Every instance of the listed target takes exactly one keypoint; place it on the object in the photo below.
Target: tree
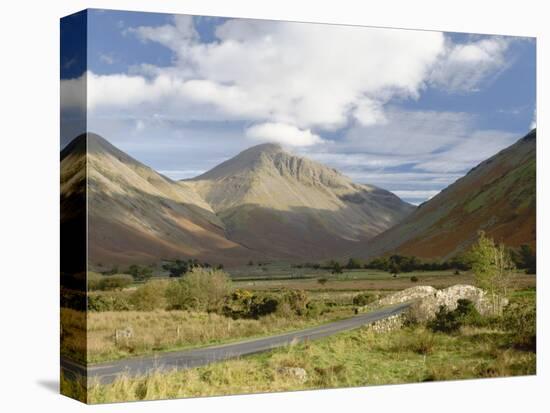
(353, 264)
(493, 267)
(178, 267)
(337, 268)
(200, 290)
(149, 296)
(528, 259)
(140, 273)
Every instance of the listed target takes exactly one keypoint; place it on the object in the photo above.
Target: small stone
(296, 372)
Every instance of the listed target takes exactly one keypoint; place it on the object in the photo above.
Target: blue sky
(410, 111)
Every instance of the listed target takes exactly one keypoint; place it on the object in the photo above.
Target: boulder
(297, 373)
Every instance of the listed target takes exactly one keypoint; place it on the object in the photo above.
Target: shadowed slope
(136, 215)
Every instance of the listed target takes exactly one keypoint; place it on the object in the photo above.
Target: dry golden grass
(161, 330)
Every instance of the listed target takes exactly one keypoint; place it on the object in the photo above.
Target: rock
(123, 333)
(295, 372)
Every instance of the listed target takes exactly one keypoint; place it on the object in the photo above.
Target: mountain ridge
(286, 207)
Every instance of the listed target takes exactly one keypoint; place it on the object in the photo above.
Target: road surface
(185, 359)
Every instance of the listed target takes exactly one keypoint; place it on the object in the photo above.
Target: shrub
(354, 264)
(95, 281)
(445, 321)
(521, 320)
(363, 299)
(297, 301)
(450, 321)
(467, 313)
(179, 268)
(107, 302)
(140, 273)
(414, 279)
(200, 290)
(247, 304)
(116, 282)
(149, 296)
(322, 281)
(315, 309)
(108, 282)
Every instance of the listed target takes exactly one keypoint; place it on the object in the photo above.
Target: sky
(407, 110)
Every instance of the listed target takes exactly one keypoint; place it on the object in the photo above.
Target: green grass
(357, 358)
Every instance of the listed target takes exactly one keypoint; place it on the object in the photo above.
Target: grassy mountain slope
(497, 196)
(294, 208)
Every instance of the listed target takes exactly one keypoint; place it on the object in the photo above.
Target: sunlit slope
(292, 207)
(136, 215)
(498, 196)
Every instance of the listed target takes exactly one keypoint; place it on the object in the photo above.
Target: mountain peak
(268, 147)
(245, 161)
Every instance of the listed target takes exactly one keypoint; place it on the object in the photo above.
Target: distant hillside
(497, 196)
(294, 208)
(262, 204)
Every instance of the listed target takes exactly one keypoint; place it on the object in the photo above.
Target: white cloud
(306, 75)
(296, 83)
(469, 152)
(463, 67)
(107, 58)
(309, 76)
(282, 133)
(410, 133)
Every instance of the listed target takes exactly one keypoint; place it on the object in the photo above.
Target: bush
(140, 273)
(363, 299)
(117, 282)
(149, 296)
(445, 321)
(107, 302)
(450, 321)
(95, 281)
(521, 320)
(315, 309)
(322, 281)
(179, 268)
(200, 290)
(414, 279)
(297, 301)
(108, 282)
(248, 304)
(354, 264)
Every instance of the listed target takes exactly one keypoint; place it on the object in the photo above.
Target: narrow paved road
(107, 372)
